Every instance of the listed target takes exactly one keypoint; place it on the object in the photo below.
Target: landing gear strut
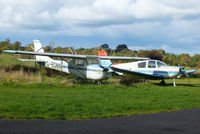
(174, 82)
(162, 83)
(96, 82)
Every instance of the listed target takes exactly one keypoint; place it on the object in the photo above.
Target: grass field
(33, 95)
(30, 95)
(51, 101)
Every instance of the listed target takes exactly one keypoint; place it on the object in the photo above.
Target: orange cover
(102, 53)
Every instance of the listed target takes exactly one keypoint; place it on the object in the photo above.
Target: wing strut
(74, 67)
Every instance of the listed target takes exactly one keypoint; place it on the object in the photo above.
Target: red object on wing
(102, 53)
(116, 63)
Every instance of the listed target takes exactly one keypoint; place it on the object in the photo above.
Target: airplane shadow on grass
(178, 85)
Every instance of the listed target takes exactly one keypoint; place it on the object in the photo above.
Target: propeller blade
(187, 75)
(183, 72)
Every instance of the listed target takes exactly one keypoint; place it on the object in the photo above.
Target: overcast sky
(173, 25)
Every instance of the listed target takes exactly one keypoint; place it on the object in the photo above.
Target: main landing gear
(96, 82)
(163, 83)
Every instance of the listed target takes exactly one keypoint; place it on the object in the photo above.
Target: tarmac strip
(176, 122)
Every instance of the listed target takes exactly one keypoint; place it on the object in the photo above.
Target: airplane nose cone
(182, 69)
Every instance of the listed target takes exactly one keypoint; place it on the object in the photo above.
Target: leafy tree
(152, 54)
(29, 47)
(58, 50)
(198, 64)
(48, 49)
(184, 59)
(16, 45)
(121, 47)
(194, 60)
(155, 54)
(142, 53)
(105, 46)
(170, 59)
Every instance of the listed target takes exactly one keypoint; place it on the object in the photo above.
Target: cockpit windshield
(159, 64)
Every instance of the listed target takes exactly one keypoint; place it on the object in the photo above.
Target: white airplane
(151, 69)
(84, 66)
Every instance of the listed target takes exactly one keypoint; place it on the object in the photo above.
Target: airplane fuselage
(91, 71)
(151, 68)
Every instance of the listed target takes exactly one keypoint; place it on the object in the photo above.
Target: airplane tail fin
(104, 63)
(38, 48)
(102, 53)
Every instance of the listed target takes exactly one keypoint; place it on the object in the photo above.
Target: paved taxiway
(177, 122)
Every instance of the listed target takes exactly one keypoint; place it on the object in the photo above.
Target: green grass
(51, 101)
(7, 60)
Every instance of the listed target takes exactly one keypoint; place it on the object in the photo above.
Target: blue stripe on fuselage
(158, 72)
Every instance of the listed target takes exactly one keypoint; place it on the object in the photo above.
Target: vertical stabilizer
(104, 63)
(38, 48)
(102, 53)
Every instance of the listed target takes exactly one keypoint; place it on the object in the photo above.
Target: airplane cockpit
(151, 64)
(78, 62)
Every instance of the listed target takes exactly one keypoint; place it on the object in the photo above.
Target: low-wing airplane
(151, 69)
(84, 66)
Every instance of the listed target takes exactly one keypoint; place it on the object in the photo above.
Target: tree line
(121, 50)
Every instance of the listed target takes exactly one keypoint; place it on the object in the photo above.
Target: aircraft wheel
(162, 83)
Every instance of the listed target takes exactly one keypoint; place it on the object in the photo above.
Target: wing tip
(190, 71)
(10, 51)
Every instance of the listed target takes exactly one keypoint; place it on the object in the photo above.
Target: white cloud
(106, 12)
(161, 21)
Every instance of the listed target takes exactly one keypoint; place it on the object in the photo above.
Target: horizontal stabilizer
(10, 51)
(31, 60)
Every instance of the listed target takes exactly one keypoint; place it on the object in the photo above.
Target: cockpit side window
(142, 65)
(92, 61)
(159, 64)
(152, 64)
(79, 62)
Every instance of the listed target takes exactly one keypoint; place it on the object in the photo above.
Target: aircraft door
(151, 67)
(94, 71)
(78, 67)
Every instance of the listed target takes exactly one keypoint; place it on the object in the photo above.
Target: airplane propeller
(106, 69)
(183, 72)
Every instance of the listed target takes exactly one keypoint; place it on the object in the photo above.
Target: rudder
(38, 48)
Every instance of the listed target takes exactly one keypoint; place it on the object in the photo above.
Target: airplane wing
(190, 71)
(74, 56)
(137, 75)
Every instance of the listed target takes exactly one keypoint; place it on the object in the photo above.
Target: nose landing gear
(174, 82)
